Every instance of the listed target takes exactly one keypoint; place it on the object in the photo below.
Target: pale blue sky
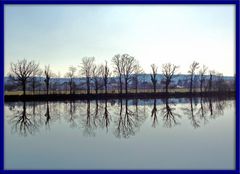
(60, 35)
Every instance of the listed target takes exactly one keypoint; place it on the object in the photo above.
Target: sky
(60, 35)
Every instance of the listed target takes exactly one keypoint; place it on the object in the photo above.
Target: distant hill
(141, 77)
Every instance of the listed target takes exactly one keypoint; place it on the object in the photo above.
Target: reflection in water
(72, 110)
(124, 116)
(88, 126)
(210, 106)
(191, 113)
(106, 117)
(22, 122)
(169, 116)
(47, 115)
(127, 121)
(154, 113)
(202, 111)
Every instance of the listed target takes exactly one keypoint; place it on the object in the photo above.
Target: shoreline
(158, 95)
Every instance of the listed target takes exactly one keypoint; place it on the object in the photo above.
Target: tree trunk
(210, 106)
(105, 88)
(136, 88)
(24, 109)
(191, 106)
(136, 85)
(120, 84)
(201, 83)
(24, 87)
(96, 89)
(154, 87)
(105, 84)
(88, 85)
(71, 87)
(210, 83)
(33, 87)
(191, 84)
(47, 87)
(166, 88)
(126, 86)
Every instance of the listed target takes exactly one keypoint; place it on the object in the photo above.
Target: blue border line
(1, 85)
(120, 171)
(237, 85)
(2, 3)
(119, 2)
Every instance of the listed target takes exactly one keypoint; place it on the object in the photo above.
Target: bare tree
(193, 67)
(86, 69)
(220, 84)
(154, 76)
(21, 72)
(202, 72)
(57, 85)
(105, 75)
(96, 73)
(48, 74)
(71, 75)
(117, 61)
(210, 81)
(137, 72)
(129, 64)
(36, 73)
(39, 81)
(168, 71)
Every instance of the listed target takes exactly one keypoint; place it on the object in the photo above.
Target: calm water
(121, 134)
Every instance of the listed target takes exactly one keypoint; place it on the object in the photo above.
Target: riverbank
(63, 97)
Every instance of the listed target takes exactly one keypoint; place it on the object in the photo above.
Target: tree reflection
(139, 113)
(154, 114)
(36, 117)
(47, 115)
(128, 115)
(202, 111)
(22, 123)
(127, 122)
(96, 113)
(214, 108)
(120, 121)
(190, 112)
(106, 116)
(72, 110)
(169, 116)
(210, 107)
(88, 126)
(217, 107)
(220, 105)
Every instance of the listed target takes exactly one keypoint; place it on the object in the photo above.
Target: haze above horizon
(60, 35)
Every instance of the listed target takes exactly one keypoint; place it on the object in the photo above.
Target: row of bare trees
(125, 68)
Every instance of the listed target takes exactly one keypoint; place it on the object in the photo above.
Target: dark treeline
(123, 79)
(122, 117)
(104, 96)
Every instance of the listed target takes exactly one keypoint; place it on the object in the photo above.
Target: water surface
(185, 133)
